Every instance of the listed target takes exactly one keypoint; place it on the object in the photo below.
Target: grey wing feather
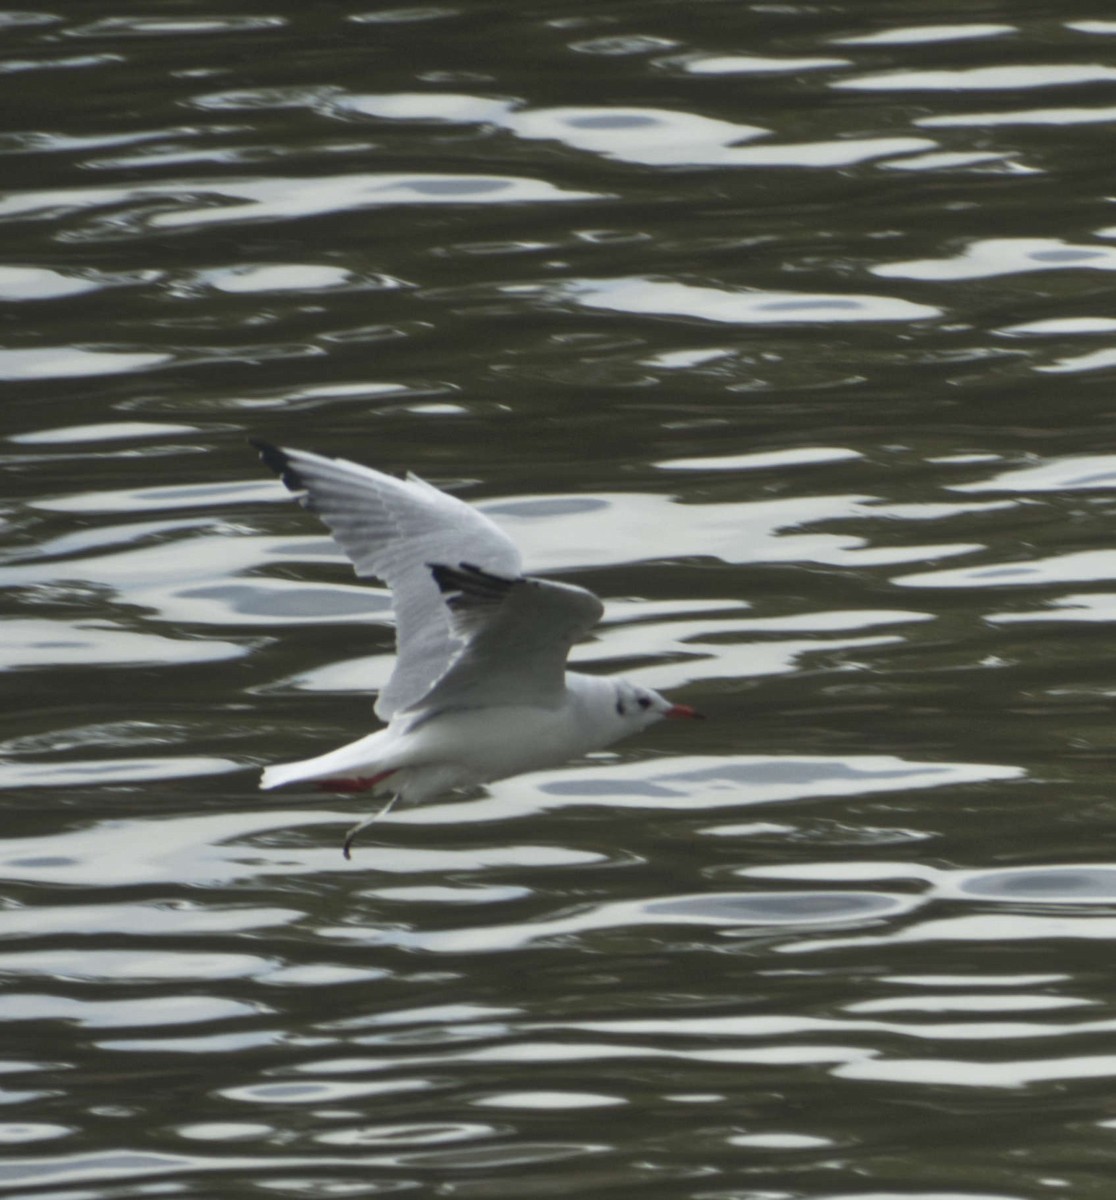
(391, 529)
(516, 634)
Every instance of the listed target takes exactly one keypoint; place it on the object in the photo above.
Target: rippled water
(788, 329)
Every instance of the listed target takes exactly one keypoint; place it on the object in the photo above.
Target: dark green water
(786, 328)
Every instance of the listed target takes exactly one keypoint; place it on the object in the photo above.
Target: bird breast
(495, 742)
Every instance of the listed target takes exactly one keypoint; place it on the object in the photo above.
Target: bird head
(642, 706)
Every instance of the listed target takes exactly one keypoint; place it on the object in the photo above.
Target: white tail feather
(363, 758)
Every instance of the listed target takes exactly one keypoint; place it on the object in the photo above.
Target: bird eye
(644, 702)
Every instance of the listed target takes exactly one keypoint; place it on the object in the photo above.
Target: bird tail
(277, 776)
(362, 760)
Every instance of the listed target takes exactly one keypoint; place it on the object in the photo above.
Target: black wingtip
(280, 462)
(468, 580)
(441, 575)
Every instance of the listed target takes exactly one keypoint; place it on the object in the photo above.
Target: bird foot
(350, 837)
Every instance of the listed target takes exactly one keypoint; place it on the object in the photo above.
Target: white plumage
(480, 689)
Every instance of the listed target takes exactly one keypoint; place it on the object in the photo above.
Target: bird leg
(351, 835)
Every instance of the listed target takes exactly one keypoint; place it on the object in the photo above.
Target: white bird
(480, 689)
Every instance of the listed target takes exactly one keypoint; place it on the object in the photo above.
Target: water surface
(788, 331)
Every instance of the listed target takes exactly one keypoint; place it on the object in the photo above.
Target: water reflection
(158, 207)
(758, 64)
(61, 362)
(1068, 115)
(1043, 885)
(740, 307)
(1086, 883)
(695, 783)
(1004, 256)
(784, 330)
(105, 431)
(42, 643)
(645, 136)
(1000, 78)
(39, 283)
(910, 35)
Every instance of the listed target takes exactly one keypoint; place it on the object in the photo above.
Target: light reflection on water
(785, 331)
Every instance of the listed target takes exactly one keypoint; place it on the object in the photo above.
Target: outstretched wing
(391, 529)
(515, 636)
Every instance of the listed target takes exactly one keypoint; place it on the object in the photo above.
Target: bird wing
(515, 635)
(391, 529)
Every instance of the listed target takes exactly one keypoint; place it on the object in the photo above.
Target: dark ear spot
(620, 709)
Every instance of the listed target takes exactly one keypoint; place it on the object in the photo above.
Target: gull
(480, 689)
